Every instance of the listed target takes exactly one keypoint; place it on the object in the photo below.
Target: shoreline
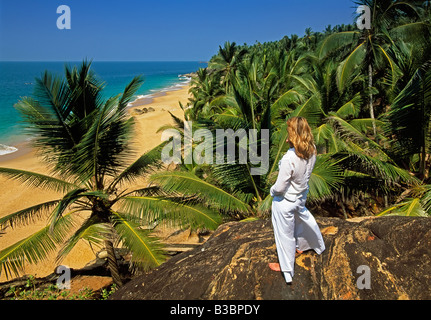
(23, 146)
(15, 196)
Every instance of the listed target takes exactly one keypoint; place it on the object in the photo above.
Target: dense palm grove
(366, 94)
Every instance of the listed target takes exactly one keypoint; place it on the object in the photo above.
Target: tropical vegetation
(85, 140)
(365, 93)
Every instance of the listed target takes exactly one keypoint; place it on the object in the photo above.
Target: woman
(294, 226)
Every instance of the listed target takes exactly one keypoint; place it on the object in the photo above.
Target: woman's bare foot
(274, 266)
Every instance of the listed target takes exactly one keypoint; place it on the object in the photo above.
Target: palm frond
(28, 215)
(101, 150)
(335, 42)
(310, 110)
(129, 91)
(144, 164)
(70, 198)
(326, 177)
(285, 100)
(37, 180)
(189, 184)
(350, 108)
(92, 230)
(382, 169)
(347, 67)
(150, 209)
(353, 133)
(410, 207)
(54, 93)
(67, 200)
(146, 249)
(34, 248)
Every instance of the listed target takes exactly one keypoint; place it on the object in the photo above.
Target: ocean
(17, 80)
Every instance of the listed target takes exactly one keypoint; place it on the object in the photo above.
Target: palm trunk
(112, 263)
(425, 129)
(370, 85)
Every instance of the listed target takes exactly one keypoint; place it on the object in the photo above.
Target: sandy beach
(14, 196)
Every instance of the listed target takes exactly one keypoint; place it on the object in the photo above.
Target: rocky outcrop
(372, 258)
(137, 111)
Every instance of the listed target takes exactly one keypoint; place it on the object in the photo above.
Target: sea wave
(6, 149)
(183, 80)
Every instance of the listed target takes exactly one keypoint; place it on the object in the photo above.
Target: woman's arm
(284, 174)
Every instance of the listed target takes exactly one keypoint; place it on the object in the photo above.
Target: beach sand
(15, 196)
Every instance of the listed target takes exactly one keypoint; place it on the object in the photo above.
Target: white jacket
(293, 176)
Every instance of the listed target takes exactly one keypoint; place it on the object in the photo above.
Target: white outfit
(294, 226)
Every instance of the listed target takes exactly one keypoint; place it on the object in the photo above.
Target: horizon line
(199, 61)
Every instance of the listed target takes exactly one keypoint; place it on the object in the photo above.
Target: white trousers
(294, 227)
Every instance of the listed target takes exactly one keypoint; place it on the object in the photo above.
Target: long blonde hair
(300, 137)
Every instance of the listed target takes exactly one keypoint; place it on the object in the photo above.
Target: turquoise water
(17, 80)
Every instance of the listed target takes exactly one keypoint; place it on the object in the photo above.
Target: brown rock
(232, 264)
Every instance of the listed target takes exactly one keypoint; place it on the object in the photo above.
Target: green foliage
(361, 92)
(31, 291)
(366, 95)
(84, 139)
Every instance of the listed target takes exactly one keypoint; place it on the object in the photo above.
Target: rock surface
(232, 264)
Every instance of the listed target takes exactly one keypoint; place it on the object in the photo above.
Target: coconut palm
(205, 88)
(341, 134)
(409, 121)
(249, 105)
(227, 61)
(85, 139)
(369, 48)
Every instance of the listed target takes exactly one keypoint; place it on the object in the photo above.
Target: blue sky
(160, 30)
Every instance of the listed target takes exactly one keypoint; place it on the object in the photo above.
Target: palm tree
(86, 140)
(370, 47)
(227, 61)
(205, 88)
(409, 121)
(250, 105)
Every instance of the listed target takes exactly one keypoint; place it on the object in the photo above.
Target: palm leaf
(101, 150)
(346, 68)
(353, 133)
(67, 200)
(28, 215)
(410, 207)
(407, 32)
(150, 209)
(310, 110)
(129, 91)
(393, 67)
(285, 100)
(54, 93)
(34, 248)
(264, 206)
(350, 108)
(335, 42)
(327, 176)
(382, 169)
(146, 250)
(92, 230)
(322, 134)
(144, 164)
(189, 184)
(37, 180)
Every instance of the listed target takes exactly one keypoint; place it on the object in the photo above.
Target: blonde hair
(300, 137)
